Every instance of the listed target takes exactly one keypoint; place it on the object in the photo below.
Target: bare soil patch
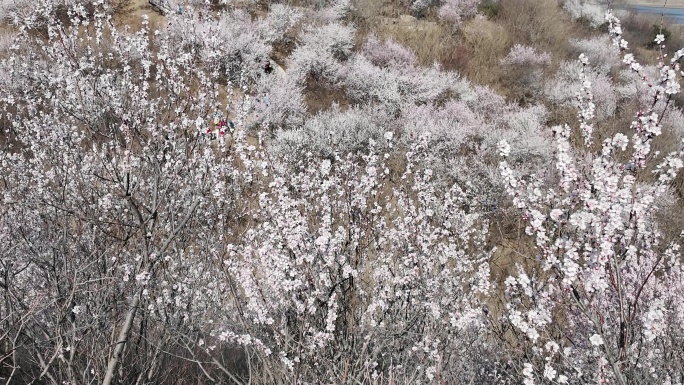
(134, 12)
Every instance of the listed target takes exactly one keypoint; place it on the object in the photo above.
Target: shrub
(321, 52)
(10, 9)
(455, 12)
(355, 245)
(601, 291)
(365, 83)
(229, 43)
(489, 8)
(521, 55)
(420, 6)
(590, 11)
(563, 89)
(523, 71)
(599, 52)
(656, 31)
(340, 306)
(333, 132)
(108, 264)
(388, 54)
(282, 102)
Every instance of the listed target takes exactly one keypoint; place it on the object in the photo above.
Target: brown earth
(133, 13)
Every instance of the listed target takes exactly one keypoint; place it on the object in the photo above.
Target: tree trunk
(124, 333)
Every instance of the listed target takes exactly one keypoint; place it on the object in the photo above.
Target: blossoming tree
(600, 300)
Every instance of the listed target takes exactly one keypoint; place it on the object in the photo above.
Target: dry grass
(487, 42)
(430, 41)
(282, 48)
(371, 9)
(319, 96)
(7, 35)
(121, 6)
(539, 23)
(392, 19)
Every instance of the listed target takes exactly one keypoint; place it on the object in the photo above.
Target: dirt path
(133, 16)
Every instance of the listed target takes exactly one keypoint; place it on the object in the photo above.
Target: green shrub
(658, 30)
(489, 8)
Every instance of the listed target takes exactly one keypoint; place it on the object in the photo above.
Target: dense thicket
(269, 193)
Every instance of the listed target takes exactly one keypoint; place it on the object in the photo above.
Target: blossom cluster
(598, 248)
